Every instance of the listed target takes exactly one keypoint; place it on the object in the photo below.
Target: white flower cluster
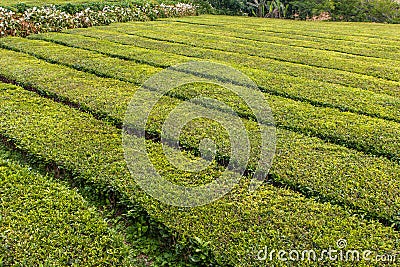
(49, 18)
(7, 21)
(177, 10)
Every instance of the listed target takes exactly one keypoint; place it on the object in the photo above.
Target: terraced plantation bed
(334, 90)
(38, 212)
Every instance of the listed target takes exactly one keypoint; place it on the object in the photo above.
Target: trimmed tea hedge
(82, 89)
(263, 46)
(43, 222)
(306, 56)
(88, 61)
(236, 226)
(248, 35)
(317, 73)
(130, 35)
(361, 134)
(139, 54)
(374, 33)
(302, 89)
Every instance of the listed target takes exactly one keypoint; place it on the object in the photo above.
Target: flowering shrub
(11, 24)
(177, 10)
(50, 18)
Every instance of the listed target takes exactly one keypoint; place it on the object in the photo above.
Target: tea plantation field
(334, 90)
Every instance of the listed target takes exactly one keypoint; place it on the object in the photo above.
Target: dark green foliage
(308, 8)
(364, 10)
(203, 6)
(20, 7)
(229, 7)
(269, 9)
(348, 10)
(384, 11)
